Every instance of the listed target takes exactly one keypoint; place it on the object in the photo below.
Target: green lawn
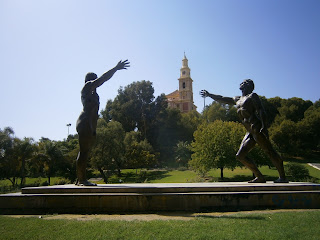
(6, 185)
(253, 225)
(176, 176)
(170, 176)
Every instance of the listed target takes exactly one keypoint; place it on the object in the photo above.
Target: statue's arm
(219, 98)
(259, 110)
(107, 75)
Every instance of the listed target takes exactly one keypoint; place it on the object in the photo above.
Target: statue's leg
(81, 166)
(246, 146)
(85, 144)
(275, 158)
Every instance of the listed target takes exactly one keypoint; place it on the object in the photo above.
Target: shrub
(61, 181)
(297, 172)
(45, 183)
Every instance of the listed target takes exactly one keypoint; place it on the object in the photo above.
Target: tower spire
(185, 61)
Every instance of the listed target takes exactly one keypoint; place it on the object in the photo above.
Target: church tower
(183, 98)
(185, 87)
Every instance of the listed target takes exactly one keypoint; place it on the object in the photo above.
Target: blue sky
(47, 47)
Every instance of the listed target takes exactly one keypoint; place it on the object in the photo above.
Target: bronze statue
(252, 115)
(87, 121)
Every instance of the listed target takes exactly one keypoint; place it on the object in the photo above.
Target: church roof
(174, 94)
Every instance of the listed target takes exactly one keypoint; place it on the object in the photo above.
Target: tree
(215, 146)
(310, 127)
(70, 149)
(183, 153)
(139, 153)
(51, 155)
(108, 152)
(132, 107)
(220, 111)
(9, 164)
(295, 130)
(190, 122)
(292, 109)
(270, 106)
(23, 151)
(168, 130)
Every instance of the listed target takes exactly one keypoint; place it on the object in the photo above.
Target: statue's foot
(85, 183)
(281, 180)
(258, 180)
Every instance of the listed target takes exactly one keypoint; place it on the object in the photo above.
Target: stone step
(191, 197)
(173, 188)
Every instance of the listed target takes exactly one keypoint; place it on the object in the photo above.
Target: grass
(313, 172)
(175, 176)
(252, 225)
(170, 176)
(6, 185)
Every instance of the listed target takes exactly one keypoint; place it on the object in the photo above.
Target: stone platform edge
(183, 199)
(173, 188)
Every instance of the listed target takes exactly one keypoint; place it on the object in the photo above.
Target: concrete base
(191, 197)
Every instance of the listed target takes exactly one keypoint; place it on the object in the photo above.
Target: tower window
(183, 85)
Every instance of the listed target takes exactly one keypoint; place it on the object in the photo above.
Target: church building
(182, 99)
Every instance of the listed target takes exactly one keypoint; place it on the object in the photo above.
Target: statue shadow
(214, 216)
(244, 178)
(233, 217)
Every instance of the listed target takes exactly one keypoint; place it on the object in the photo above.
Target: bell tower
(185, 87)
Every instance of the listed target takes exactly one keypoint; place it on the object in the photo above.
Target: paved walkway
(315, 165)
(150, 217)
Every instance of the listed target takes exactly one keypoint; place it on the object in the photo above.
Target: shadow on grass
(156, 175)
(233, 217)
(312, 158)
(244, 178)
(191, 215)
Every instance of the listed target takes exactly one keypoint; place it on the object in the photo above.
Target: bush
(45, 183)
(61, 181)
(297, 172)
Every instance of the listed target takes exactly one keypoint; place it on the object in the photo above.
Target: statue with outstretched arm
(87, 121)
(252, 116)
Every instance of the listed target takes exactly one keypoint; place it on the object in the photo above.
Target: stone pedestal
(190, 197)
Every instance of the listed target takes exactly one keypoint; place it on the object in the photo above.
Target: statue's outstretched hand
(122, 65)
(204, 93)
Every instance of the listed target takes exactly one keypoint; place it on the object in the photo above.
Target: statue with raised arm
(252, 116)
(87, 121)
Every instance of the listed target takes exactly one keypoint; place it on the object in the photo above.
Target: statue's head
(90, 76)
(247, 84)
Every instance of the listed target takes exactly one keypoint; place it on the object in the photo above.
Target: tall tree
(293, 109)
(70, 149)
(132, 106)
(294, 130)
(190, 122)
(52, 157)
(108, 152)
(139, 153)
(183, 153)
(215, 146)
(168, 130)
(23, 151)
(220, 111)
(310, 127)
(9, 164)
